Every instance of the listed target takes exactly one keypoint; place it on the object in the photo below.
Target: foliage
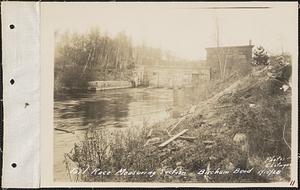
(80, 58)
(112, 151)
(260, 57)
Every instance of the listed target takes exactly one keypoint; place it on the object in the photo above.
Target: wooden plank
(64, 130)
(188, 138)
(209, 142)
(173, 138)
(182, 137)
(155, 140)
(181, 119)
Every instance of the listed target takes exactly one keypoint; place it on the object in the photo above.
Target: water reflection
(133, 107)
(118, 108)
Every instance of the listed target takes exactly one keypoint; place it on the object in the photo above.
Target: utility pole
(218, 45)
(282, 49)
(217, 31)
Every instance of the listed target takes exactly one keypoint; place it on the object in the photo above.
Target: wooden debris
(225, 95)
(187, 138)
(209, 142)
(172, 123)
(84, 128)
(87, 128)
(151, 140)
(181, 119)
(182, 137)
(64, 130)
(150, 133)
(147, 142)
(192, 109)
(226, 106)
(173, 138)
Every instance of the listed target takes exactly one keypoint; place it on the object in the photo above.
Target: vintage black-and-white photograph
(173, 92)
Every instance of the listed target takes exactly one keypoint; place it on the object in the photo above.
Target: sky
(185, 29)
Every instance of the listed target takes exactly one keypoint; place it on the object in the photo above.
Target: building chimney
(250, 42)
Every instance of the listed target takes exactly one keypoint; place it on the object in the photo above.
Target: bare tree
(222, 53)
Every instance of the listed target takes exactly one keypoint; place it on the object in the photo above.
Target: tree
(260, 57)
(222, 53)
(84, 57)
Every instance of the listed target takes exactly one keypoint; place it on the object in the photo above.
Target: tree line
(80, 58)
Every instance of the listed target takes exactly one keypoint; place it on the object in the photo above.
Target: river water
(121, 108)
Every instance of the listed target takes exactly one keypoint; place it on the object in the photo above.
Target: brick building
(232, 58)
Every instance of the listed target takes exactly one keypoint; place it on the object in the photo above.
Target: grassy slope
(253, 105)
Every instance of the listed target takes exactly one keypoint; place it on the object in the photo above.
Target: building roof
(244, 46)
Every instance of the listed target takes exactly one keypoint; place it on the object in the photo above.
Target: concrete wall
(138, 75)
(107, 85)
(175, 76)
(239, 59)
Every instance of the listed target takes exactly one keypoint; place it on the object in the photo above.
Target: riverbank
(112, 109)
(109, 85)
(236, 130)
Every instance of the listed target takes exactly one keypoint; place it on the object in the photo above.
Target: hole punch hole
(11, 26)
(26, 104)
(14, 165)
(12, 81)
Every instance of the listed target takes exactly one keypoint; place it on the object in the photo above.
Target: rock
(208, 146)
(242, 140)
(251, 105)
(230, 166)
(239, 137)
(223, 129)
(192, 175)
(284, 87)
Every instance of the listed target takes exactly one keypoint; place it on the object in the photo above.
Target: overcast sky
(185, 29)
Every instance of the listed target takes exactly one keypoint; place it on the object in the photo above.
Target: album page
(170, 94)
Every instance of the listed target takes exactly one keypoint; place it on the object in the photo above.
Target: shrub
(260, 56)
